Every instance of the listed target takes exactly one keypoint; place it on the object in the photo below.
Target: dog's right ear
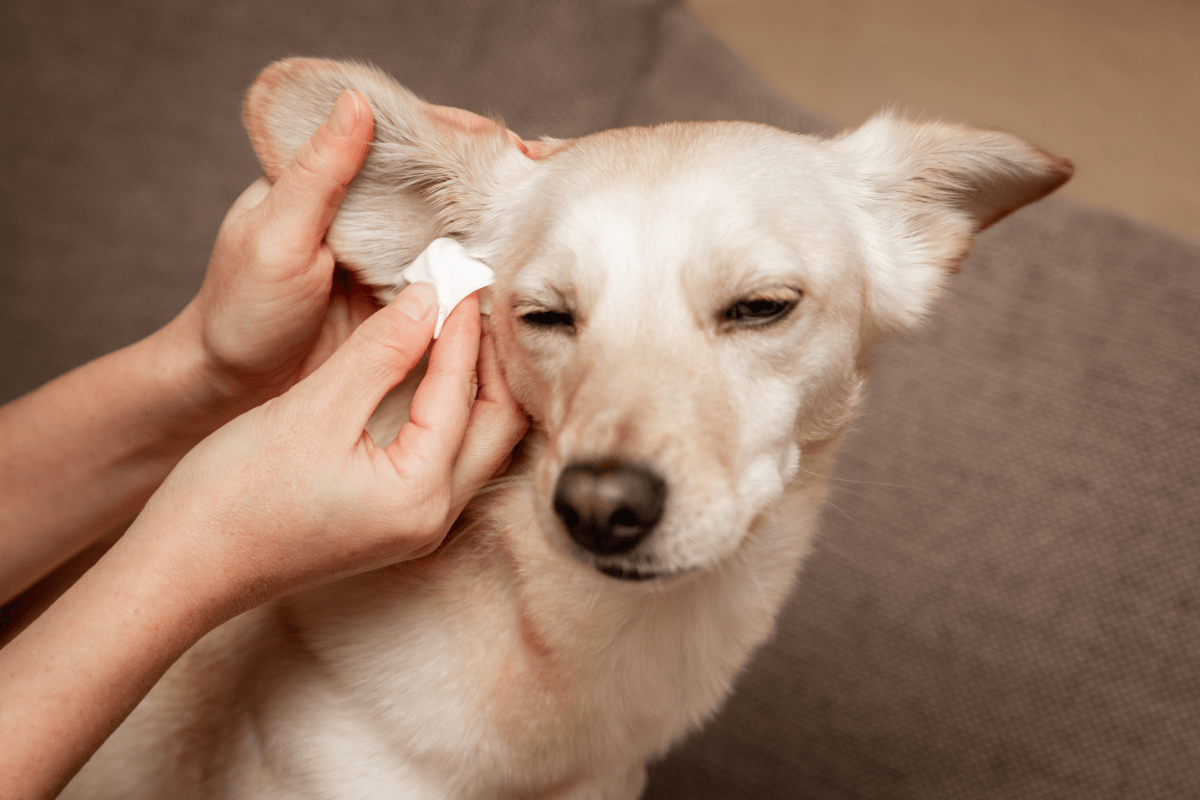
(431, 172)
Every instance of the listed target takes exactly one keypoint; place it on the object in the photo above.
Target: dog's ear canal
(432, 171)
(928, 188)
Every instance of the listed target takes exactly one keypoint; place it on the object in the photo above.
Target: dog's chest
(498, 668)
(501, 665)
(455, 661)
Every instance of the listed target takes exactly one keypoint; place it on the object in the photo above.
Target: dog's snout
(609, 508)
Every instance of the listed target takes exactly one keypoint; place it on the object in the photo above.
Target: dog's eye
(550, 319)
(758, 310)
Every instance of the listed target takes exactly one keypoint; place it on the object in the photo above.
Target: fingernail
(345, 113)
(417, 301)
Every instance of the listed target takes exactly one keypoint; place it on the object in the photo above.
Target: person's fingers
(384, 348)
(437, 419)
(306, 196)
(497, 423)
(350, 304)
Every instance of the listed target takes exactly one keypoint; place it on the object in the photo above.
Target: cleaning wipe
(454, 274)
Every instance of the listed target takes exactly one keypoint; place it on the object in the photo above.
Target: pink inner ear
(520, 144)
(537, 150)
(471, 122)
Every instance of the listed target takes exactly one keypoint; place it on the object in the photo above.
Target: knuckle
(309, 160)
(390, 341)
(263, 251)
(432, 514)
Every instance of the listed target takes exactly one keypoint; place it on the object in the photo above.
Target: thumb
(376, 357)
(306, 196)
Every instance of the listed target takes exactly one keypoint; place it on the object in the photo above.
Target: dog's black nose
(609, 508)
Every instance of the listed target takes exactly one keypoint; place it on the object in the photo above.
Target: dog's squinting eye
(550, 319)
(758, 310)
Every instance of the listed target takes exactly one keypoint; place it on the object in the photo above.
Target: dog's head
(684, 309)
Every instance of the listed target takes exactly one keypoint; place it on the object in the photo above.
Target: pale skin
(239, 427)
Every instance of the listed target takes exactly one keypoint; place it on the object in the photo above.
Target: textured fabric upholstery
(1005, 600)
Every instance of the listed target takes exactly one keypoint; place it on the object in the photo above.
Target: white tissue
(454, 274)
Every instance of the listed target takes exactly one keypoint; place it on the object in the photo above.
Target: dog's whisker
(865, 483)
(843, 512)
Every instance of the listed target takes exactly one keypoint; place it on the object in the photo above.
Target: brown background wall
(1112, 84)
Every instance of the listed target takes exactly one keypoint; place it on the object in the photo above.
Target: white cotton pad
(454, 274)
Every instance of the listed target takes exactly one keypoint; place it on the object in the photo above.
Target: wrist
(163, 556)
(81, 668)
(83, 453)
(200, 541)
(215, 395)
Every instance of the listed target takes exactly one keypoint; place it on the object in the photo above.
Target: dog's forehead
(651, 201)
(730, 164)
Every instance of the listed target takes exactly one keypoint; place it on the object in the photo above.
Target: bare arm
(291, 494)
(83, 453)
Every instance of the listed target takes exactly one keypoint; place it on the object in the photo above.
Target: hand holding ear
(294, 493)
(266, 298)
(272, 306)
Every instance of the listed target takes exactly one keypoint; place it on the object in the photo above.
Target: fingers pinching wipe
(462, 423)
(441, 406)
(376, 357)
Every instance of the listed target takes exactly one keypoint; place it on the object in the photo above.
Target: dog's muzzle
(609, 508)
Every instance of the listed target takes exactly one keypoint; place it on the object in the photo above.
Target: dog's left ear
(927, 189)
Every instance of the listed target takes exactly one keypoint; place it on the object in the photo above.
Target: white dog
(686, 311)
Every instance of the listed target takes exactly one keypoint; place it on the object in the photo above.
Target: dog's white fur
(506, 665)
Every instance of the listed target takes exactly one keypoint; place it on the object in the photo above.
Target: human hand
(265, 300)
(272, 307)
(293, 493)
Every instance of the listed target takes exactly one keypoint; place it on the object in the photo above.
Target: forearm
(76, 673)
(82, 454)
(287, 496)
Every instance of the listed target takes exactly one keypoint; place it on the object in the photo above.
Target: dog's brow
(542, 296)
(763, 267)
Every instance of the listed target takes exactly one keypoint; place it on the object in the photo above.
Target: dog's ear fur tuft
(428, 174)
(927, 189)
